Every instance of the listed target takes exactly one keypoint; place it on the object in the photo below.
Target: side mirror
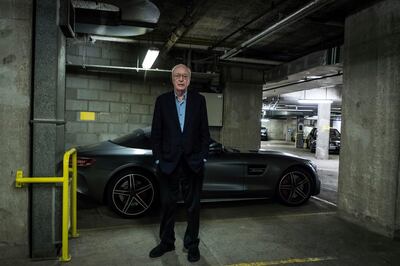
(215, 147)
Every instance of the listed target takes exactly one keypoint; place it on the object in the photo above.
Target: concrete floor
(233, 233)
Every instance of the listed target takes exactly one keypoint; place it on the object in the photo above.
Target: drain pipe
(299, 14)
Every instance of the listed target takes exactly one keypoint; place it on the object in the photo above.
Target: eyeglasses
(181, 76)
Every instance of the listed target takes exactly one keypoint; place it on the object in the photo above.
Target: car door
(257, 182)
(223, 177)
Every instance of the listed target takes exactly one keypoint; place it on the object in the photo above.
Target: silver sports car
(122, 174)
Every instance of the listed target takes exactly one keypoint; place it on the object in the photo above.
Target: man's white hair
(181, 65)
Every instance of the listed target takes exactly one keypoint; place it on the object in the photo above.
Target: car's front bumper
(317, 188)
(317, 183)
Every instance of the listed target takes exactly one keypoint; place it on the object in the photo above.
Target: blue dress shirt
(181, 109)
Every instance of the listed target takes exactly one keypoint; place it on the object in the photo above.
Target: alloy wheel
(294, 188)
(132, 194)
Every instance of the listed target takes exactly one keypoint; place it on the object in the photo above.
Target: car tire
(294, 187)
(131, 193)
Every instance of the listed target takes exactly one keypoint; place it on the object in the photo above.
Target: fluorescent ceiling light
(150, 57)
(94, 38)
(294, 110)
(315, 101)
(313, 77)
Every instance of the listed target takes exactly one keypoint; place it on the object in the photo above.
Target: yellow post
(64, 249)
(74, 232)
(20, 180)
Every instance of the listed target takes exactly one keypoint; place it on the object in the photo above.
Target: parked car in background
(264, 133)
(122, 174)
(334, 140)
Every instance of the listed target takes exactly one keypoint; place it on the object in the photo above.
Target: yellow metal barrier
(65, 180)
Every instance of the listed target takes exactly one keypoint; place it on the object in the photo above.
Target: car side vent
(256, 169)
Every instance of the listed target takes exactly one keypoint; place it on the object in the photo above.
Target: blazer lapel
(188, 111)
(172, 105)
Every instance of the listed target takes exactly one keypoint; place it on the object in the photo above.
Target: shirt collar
(184, 96)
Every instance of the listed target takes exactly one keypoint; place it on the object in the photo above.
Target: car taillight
(85, 162)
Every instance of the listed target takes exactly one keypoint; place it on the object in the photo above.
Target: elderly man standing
(180, 138)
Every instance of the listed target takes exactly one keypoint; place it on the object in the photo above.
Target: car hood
(107, 148)
(272, 152)
(101, 147)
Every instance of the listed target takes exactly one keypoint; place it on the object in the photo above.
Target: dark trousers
(183, 181)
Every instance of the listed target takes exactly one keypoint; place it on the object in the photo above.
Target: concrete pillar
(324, 115)
(288, 129)
(15, 109)
(242, 107)
(48, 128)
(241, 115)
(300, 132)
(369, 189)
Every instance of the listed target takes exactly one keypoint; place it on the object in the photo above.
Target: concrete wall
(369, 191)
(278, 128)
(15, 87)
(275, 129)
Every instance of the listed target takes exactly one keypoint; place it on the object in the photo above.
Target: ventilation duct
(116, 18)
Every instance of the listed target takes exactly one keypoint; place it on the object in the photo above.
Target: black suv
(334, 140)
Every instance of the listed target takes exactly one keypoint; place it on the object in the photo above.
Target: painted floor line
(324, 201)
(282, 262)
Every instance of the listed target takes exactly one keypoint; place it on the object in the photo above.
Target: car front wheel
(131, 193)
(294, 187)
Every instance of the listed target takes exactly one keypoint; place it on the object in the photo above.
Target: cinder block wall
(121, 104)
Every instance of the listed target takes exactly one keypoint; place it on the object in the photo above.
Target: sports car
(122, 174)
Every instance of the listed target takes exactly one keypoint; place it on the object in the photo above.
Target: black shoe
(159, 250)
(193, 254)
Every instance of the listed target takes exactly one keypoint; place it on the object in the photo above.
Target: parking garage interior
(71, 75)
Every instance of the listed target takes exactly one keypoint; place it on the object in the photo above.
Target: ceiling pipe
(297, 15)
(95, 38)
(270, 88)
(125, 69)
(254, 61)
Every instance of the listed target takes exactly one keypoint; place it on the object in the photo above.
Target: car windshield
(139, 139)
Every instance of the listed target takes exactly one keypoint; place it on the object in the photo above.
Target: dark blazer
(170, 144)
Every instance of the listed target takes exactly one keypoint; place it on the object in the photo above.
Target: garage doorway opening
(279, 134)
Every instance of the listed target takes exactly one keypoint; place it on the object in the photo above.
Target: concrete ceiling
(296, 38)
(216, 26)
(227, 24)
